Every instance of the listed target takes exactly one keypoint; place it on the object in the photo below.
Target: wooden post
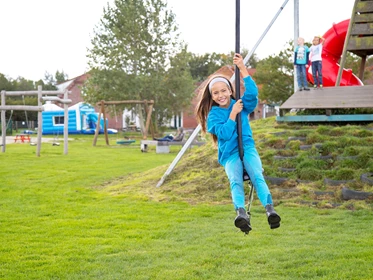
(148, 118)
(362, 67)
(39, 108)
(3, 122)
(145, 102)
(150, 111)
(344, 51)
(40, 123)
(22, 108)
(98, 123)
(105, 125)
(66, 124)
(102, 103)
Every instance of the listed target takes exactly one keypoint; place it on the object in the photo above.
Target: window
(58, 120)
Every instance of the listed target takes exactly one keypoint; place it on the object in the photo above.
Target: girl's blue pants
(253, 165)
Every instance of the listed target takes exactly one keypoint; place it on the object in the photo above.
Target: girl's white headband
(218, 79)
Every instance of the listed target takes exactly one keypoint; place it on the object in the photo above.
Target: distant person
(216, 112)
(316, 60)
(170, 138)
(301, 55)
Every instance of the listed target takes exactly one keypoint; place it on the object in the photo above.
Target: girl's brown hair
(205, 104)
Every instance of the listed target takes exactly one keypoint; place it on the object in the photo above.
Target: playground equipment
(331, 55)
(359, 37)
(82, 119)
(39, 108)
(354, 35)
(148, 108)
(125, 142)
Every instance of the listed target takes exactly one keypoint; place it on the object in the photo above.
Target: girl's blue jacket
(219, 123)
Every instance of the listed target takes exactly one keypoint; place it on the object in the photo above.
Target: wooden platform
(329, 98)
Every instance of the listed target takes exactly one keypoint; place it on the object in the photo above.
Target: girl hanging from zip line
(216, 112)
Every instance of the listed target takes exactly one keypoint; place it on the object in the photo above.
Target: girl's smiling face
(221, 94)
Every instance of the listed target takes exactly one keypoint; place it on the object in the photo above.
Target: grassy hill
(303, 164)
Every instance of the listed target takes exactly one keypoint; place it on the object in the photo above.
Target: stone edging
(351, 194)
(367, 178)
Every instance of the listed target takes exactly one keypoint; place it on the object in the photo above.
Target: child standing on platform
(316, 60)
(216, 112)
(301, 55)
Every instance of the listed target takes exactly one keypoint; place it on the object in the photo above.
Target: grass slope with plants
(304, 164)
(96, 214)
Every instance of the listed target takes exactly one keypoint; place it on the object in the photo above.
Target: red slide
(331, 54)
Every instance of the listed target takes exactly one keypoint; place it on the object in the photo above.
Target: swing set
(42, 96)
(148, 105)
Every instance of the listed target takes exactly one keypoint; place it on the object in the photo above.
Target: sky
(42, 36)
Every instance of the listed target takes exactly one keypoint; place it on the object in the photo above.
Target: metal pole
(238, 80)
(248, 56)
(66, 124)
(3, 122)
(40, 122)
(296, 36)
(251, 52)
(179, 155)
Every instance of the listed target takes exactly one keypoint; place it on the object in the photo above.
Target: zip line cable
(245, 175)
(238, 91)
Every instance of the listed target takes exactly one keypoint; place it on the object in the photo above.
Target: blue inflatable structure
(82, 120)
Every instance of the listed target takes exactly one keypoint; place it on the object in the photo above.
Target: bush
(310, 174)
(349, 163)
(337, 131)
(329, 147)
(310, 163)
(362, 133)
(348, 141)
(294, 145)
(276, 143)
(351, 151)
(322, 129)
(344, 174)
(287, 153)
(315, 137)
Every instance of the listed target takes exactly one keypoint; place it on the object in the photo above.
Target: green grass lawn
(70, 217)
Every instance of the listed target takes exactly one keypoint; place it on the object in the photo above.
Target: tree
(61, 77)
(131, 52)
(275, 74)
(22, 84)
(5, 84)
(252, 63)
(19, 84)
(203, 66)
(49, 83)
(179, 86)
